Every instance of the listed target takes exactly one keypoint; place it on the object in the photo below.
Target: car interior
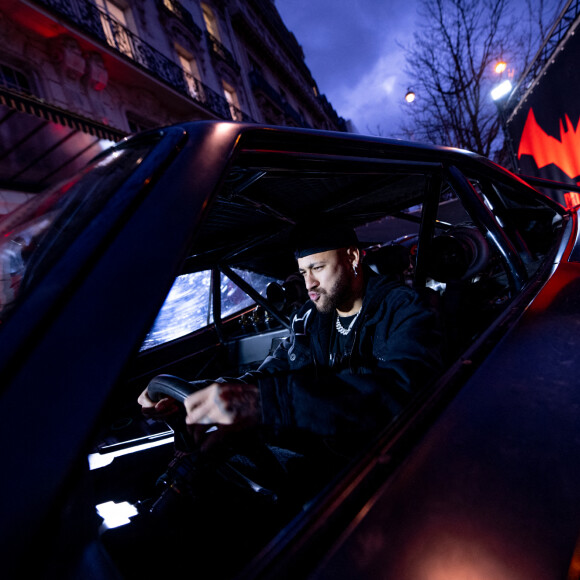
(471, 239)
(416, 222)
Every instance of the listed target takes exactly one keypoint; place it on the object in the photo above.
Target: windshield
(187, 307)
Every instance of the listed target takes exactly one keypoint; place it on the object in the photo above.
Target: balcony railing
(206, 97)
(259, 83)
(292, 113)
(90, 19)
(219, 50)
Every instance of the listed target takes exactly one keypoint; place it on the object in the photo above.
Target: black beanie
(313, 238)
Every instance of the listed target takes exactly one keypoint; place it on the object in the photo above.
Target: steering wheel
(171, 386)
(179, 389)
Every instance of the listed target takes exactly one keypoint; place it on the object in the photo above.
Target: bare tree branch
(450, 66)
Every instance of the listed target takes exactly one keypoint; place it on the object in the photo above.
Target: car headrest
(458, 255)
(389, 260)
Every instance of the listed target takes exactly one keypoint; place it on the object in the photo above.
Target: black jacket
(315, 416)
(395, 351)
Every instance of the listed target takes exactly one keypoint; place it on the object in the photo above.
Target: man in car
(358, 350)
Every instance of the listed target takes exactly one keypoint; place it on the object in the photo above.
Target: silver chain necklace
(341, 329)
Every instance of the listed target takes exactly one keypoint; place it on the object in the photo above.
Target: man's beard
(338, 295)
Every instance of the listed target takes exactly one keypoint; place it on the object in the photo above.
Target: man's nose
(310, 281)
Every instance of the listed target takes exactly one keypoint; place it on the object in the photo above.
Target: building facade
(78, 75)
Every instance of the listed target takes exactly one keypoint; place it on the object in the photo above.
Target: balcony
(87, 17)
(261, 85)
(218, 50)
(176, 10)
(292, 114)
(197, 91)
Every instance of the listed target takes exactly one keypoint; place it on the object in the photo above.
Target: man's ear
(353, 255)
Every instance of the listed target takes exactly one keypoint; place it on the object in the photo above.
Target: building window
(14, 79)
(233, 103)
(183, 15)
(114, 19)
(210, 21)
(190, 71)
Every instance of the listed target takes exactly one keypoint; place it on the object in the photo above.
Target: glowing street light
(499, 94)
(410, 96)
(501, 90)
(500, 67)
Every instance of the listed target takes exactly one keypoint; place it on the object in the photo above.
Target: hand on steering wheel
(212, 410)
(228, 407)
(224, 404)
(158, 409)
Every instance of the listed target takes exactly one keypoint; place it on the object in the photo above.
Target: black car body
(478, 478)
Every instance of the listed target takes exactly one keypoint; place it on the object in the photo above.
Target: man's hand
(228, 406)
(159, 410)
(224, 404)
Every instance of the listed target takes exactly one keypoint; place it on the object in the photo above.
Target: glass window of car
(187, 307)
(532, 226)
(33, 235)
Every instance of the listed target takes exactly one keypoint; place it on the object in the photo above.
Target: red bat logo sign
(564, 153)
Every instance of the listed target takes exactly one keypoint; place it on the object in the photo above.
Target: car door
(66, 343)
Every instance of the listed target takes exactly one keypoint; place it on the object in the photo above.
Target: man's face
(328, 277)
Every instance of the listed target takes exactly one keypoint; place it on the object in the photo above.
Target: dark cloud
(352, 48)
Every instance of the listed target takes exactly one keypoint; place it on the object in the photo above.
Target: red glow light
(572, 199)
(546, 149)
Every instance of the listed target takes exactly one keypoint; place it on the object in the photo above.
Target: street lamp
(500, 66)
(410, 96)
(504, 88)
(500, 95)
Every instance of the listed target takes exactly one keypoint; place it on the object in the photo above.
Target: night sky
(352, 49)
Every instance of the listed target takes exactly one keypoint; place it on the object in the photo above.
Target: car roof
(280, 176)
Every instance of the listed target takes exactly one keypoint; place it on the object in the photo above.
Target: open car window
(530, 224)
(449, 245)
